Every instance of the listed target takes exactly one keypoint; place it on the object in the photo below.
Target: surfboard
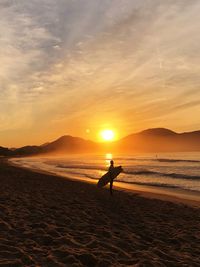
(105, 179)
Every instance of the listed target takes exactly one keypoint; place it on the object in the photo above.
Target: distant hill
(27, 150)
(160, 140)
(71, 144)
(4, 151)
(64, 144)
(150, 140)
(157, 132)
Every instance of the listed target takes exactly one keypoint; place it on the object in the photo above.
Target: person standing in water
(110, 170)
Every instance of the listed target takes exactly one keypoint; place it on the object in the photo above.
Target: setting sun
(107, 135)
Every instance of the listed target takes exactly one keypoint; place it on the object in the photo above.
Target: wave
(172, 175)
(139, 183)
(81, 167)
(169, 186)
(182, 176)
(154, 184)
(142, 172)
(136, 172)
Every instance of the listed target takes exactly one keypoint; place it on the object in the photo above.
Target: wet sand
(49, 221)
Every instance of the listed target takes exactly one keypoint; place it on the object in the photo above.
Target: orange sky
(77, 67)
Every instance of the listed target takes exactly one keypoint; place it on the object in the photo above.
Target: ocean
(164, 170)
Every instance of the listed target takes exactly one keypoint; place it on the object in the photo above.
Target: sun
(107, 135)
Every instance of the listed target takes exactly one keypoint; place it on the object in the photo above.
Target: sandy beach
(51, 221)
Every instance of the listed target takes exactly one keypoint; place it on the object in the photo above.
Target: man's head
(111, 162)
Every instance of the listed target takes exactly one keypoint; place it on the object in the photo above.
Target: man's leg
(111, 184)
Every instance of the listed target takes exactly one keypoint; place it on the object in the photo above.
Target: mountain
(4, 151)
(64, 144)
(160, 140)
(150, 140)
(70, 144)
(27, 150)
(158, 132)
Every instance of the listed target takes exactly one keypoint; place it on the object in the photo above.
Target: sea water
(175, 170)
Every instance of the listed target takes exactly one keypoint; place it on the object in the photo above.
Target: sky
(79, 66)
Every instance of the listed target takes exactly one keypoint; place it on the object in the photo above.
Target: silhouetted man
(110, 170)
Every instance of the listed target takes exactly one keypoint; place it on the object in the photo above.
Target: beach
(47, 220)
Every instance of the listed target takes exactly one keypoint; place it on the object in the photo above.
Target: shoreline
(166, 194)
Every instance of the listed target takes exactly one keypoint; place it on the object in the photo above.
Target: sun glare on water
(107, 135)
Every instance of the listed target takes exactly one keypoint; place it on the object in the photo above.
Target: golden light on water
(107, 135)
(108, 158)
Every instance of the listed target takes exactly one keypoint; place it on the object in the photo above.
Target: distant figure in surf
(110, 170)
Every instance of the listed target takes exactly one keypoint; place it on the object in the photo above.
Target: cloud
(95, 61)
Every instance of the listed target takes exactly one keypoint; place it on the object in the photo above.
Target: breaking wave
(172, 175)
(136, 172)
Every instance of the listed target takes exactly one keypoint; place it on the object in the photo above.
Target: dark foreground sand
(50, 221)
